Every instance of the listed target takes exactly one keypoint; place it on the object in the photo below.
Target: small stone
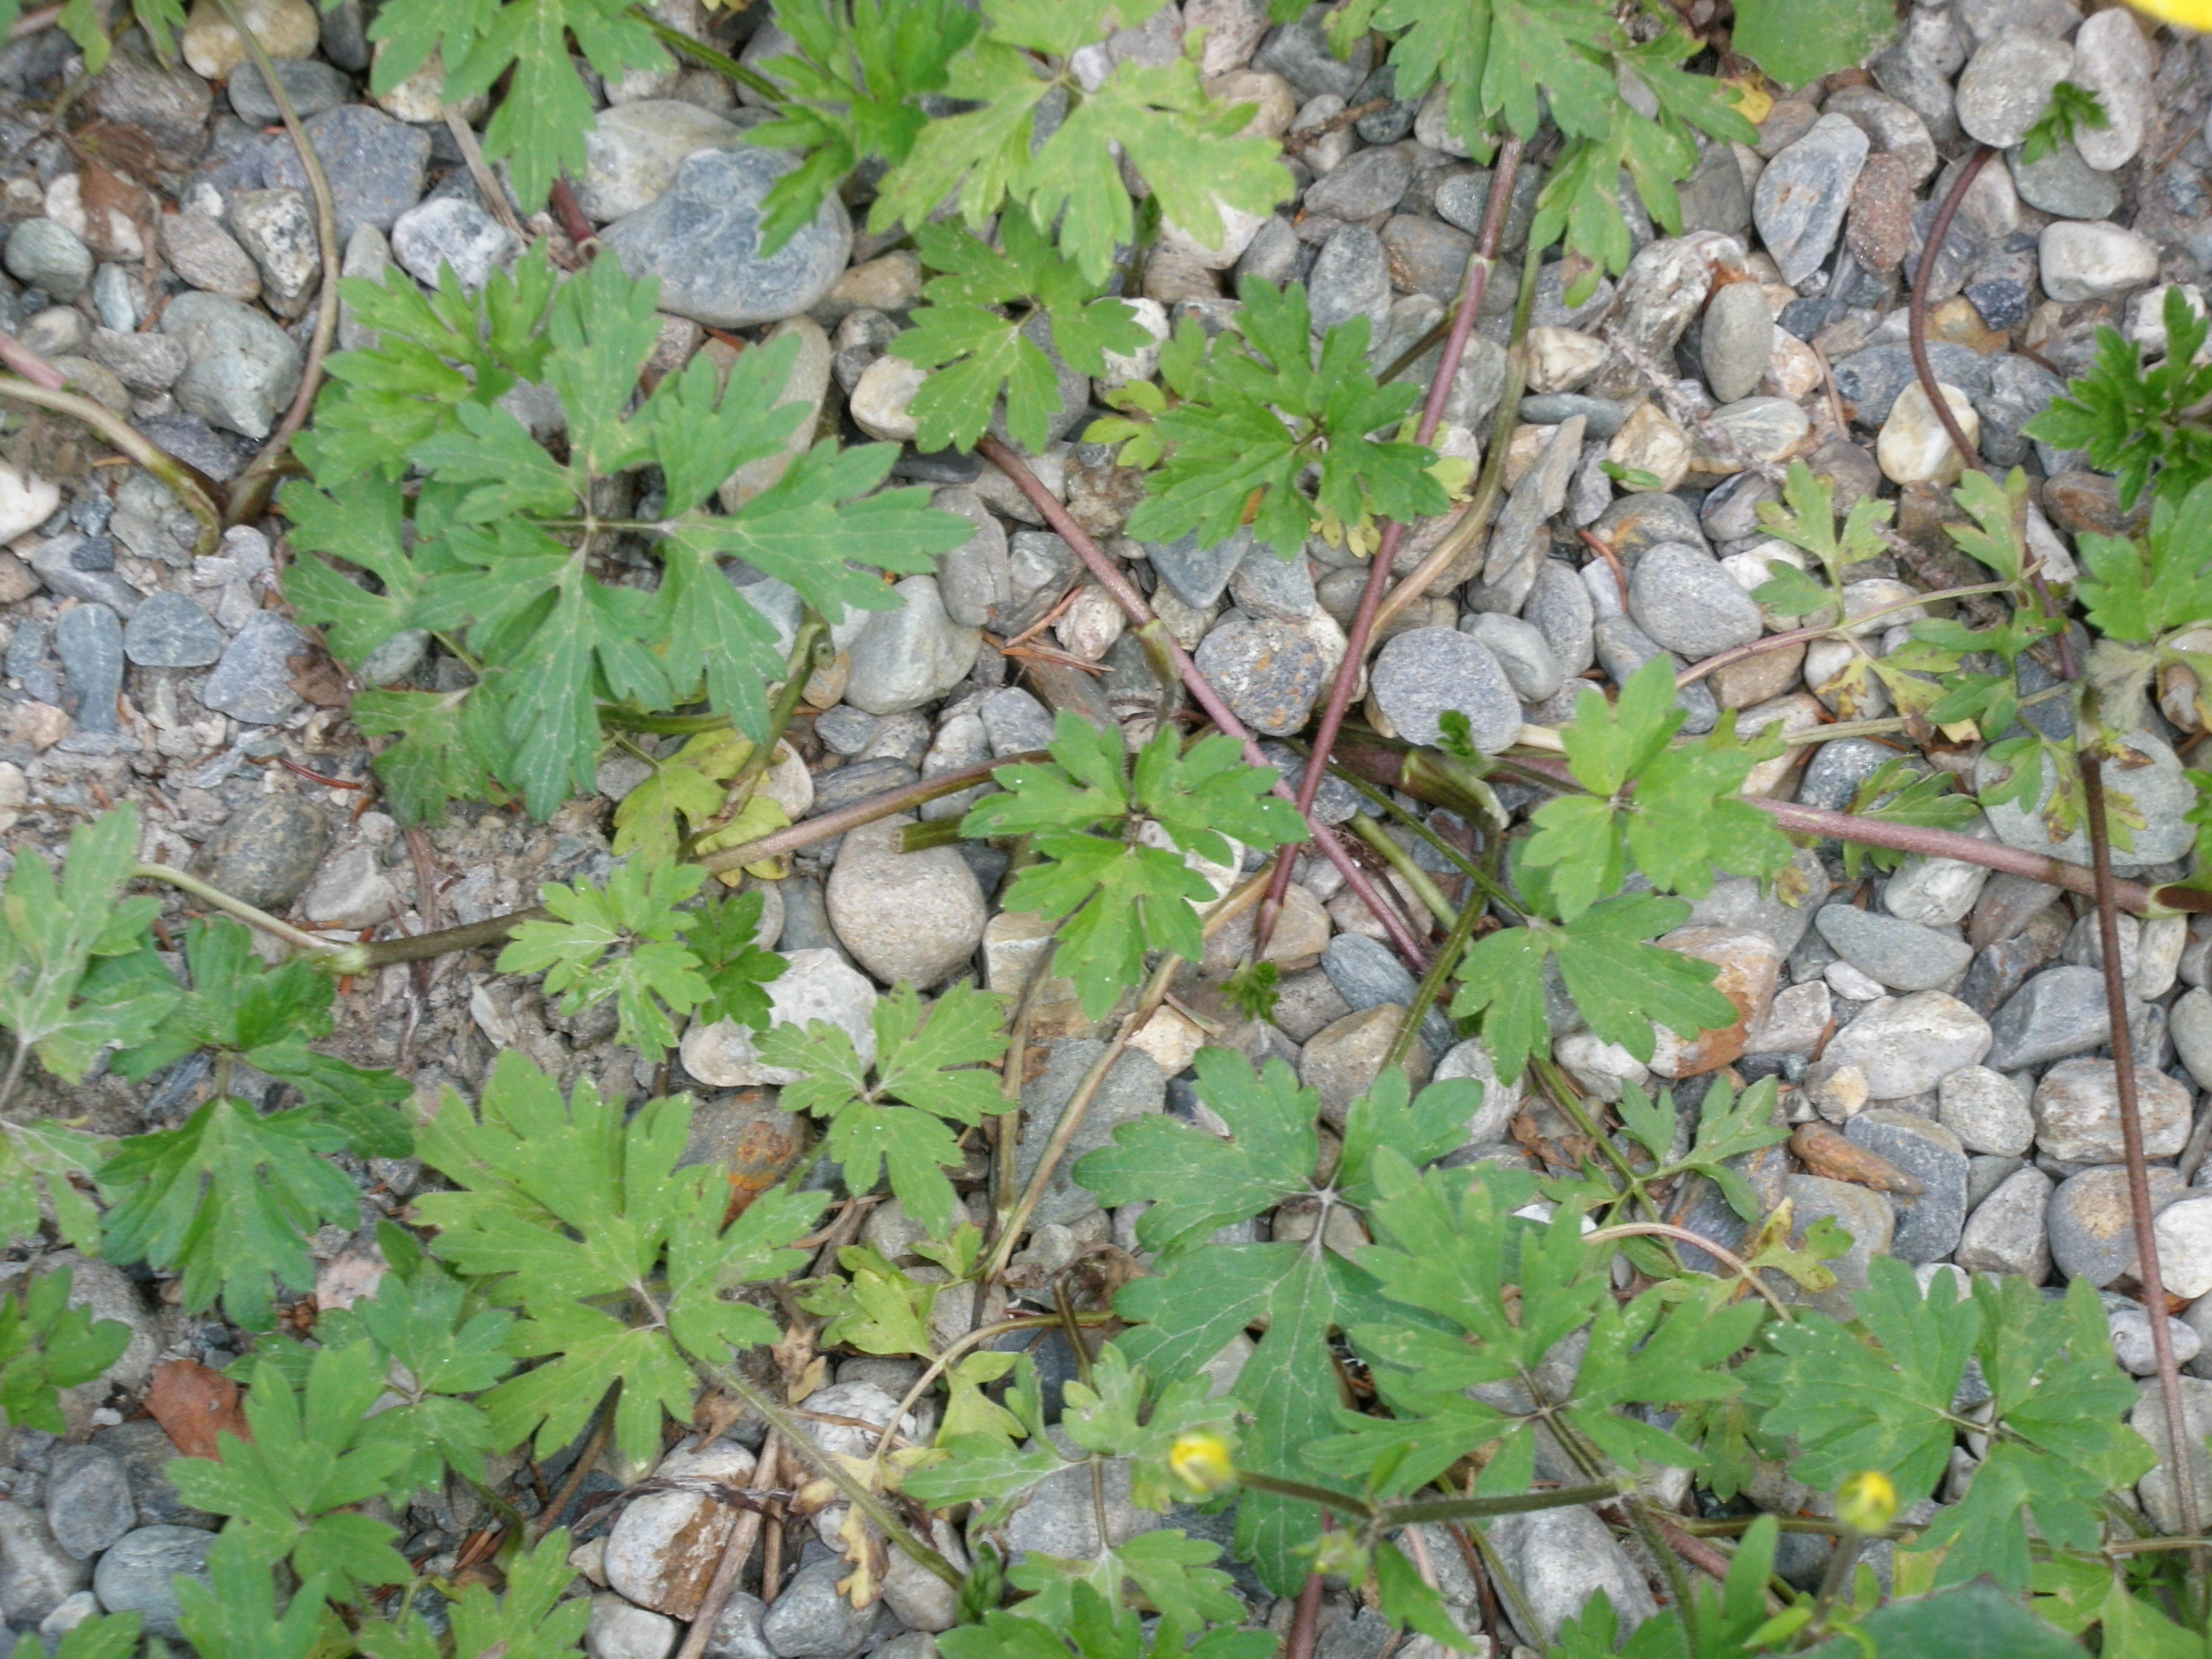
(1650, 442)
(907, 918)
(1801, 198)
(1341, 1060)
(1424, 256)
(452, 232)
(170, 106)
(268, 850)
(26, 501)
(2094, 259)
(2077, 1112)
(311, 88)
(2092, 1224)
(619, 1630)
(2190, 1024)
(817, 985)
(1795, 1022)
(1561, 359)
(1915, 448)
(666, 1545)
(2062, 183)
(702, 240)
(1907, 1045)
(1199, 576)
(2159, 1490)
(1420, 674)
(37, 1574)
(2132, 1344)
(633, 152)
(1900, 954)
(168, 630)
(1271, 672)
(1716, 197)
(1531, 666)
(1987, 1111)
(89, 641)
(910, 656)
(137, 1574)
(1863, 1214)
(1750, 967)
(2159, 792)
(2006, 85)
(352, 891)
(1279, 589)
(1880, 231)
(44, 253)
(1370, 183)
(243, 368)
(214, 47)
(88, 1502)
(1681, 597)
(1351, 277)
(1930, 1223)
(1737, 340)
(2060, 1011)
(253, 680)
(1562, 1557)
(2113, 60)
(1367, 973)
(2008, 1231)
(2184, 1248)
(375, 164)
(1623, 648)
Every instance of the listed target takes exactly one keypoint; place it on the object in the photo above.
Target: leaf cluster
(613, 1247)
(1203, 1294)
(893, 1111)
(501, 552)
(1121, 894)
(1256, 411)
(47, 1345)
(2072, 108)
(2141, 424)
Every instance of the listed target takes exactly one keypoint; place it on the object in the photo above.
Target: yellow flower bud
(2190, 14)
(1202, 1461)
(1867, 1501)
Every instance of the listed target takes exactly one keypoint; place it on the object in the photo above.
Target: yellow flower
(2190, 14)
(1867, 1501)
(1202, 1461)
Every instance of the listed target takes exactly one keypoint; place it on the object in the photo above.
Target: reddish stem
(28, 364)
(1916, 314)
(1125, 594)
(1479, 266)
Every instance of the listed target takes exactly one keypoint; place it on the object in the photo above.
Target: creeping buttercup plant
(1320, 1308)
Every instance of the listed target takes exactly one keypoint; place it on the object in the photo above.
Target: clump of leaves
(47, 1345)
(2137, 422)
(632, 941)
(528, 1622)
(1257, 410)
(504, 555)
(1676, 812)
(77, 975)
(1620, 981)
(2072, 108)
(689, 793)
(1506, 63)
(539, 125)
(289, 1490)
(924, 1080)
(1895, 795)
(235, 1610)
(1033, 134)
(1121, 896)
(1885, 1394)
(1202, 1294)
(1799, 44)
(1116, 1413)
(1095, 1625)
(980, 352)
(612, 1246)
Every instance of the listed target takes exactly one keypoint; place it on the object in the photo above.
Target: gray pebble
(1133, 1088)
(1367, 974)
(169, 631)
(1530, 665)
(812, 1620)
(1927, 1225)
(1558, 608)
(1602, 416)
(2009, 1231)
(243, 368)
(1623, 648)
(88, 1502)
(44, 253)
(1199, 574)
(2091, 1223)
(1682, 598)
(2060, 1011)
(451, 232)
(89, 641)
(58, 568)
(1736, 340)
(1802, 195)
(1351, 278)
(253, 681)
(1901, 954)
(1870, 380)
(1268, 585)
(138, 1574)
(1419, 674)
(312, 86)
(1270, 672)
(375, 164)
(2062, 183)
(2006, 85)
(267, 852)
(1370, 183)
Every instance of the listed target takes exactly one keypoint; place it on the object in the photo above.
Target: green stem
(630, 720)
(339, 958)
(121, 434)
(809, 652)
(1432, 982)
(1402, 866)
(1468, 1508)
(713, 59)
(933, 832)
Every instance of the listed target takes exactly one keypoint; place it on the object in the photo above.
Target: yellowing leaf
(761, 817)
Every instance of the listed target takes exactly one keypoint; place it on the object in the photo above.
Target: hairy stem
(1201, 690)
(1698, 671)
(185, 482)
(1349, 668)
(246, 913)
(250, 494)
(701, 52)
(1402, 866)
(1432, 982)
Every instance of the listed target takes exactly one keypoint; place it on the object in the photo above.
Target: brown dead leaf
(194, 1405)
(1828, 1153)
(317, 679)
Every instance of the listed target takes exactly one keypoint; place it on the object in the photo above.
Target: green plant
(1796, 43)
(503, 555)
(45, 1346)
(583, 1222)
(1258, 409)
(1120, 894)
(529, 1621)
(2072, 108)
(2141, 423)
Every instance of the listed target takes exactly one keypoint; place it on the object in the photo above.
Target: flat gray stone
(2059, 1012)
(1930, 1223)
(169, 631)
(1900, 954)
(1420, 674)
(1801, 199)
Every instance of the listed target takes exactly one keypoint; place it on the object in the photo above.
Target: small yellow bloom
(1202, 1461)
(2190, 14)
(1867, 1501)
